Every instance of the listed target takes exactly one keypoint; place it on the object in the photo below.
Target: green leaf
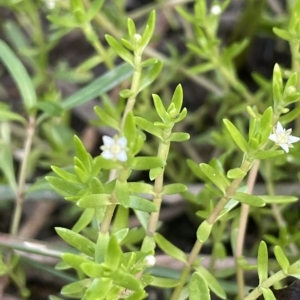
(99, 86)
(214, 177)
(198, 288)
(63, 187)
(6, 164)
(106, 118)
(130, 129)
(155, 172)
(283, 34)
(65, 175)
(148, 32)
(235, 49)
(249, 199)
(96, 186)
(121, 219)
(51, 108)
(140, 187)
(278, 199)
(202, 68)
(131, 27)
(75, 289)
(94, 201)
(195, 169)
(265, 125)
(212, 282)
(265, 154)
(178, 97)
(6, 115)
(94, 9)
(82, 154)
(93, 269)
(149, 62)
(122, 193)
(149, 127)
(262, 262)
(281, 259)
(204, 231)
(160, 108)
(277, 85)
(236, 173)
(169, 248)
(236, 136)
(76, 240)
(146, 163)
(119, 49)
(113, 254)
(101, 246)
(74, 260)
(98, 289)
(142, 204)
(126, 93)
(20, 76)
(107, 164)
(126, 280)
(268, 294)
(164, 282)
(150, 74)
(84, 220)
(174, 188)
(179, 137)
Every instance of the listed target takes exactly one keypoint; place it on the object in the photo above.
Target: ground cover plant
(149, 150)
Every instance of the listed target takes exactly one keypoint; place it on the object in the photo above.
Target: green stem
(124, 174)
(242, 230)
(134, 87)
(210, 220)
(270, 281)
(163, 152)
(92, 37)
(22, 177)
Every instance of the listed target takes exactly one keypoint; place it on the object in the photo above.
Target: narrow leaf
(236, 136)
(169, 248)
(19, 74)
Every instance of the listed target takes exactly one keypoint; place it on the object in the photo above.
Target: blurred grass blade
(19, 74)
(99, 86)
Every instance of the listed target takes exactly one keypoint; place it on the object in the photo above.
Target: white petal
(285, 147)
(293, 139)
(107, 154)
(108, 141)
(279, 128)
(122, 156)
(273, 137)
(122, 141)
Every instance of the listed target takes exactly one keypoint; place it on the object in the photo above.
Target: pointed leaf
(169, 248)
(262, 262)
(198, 288)
(236, 136)
(19, 74)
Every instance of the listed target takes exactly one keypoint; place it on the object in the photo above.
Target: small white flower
(216, 10)
(149, 261)
(283, 137)
(114, 148)
(50, 4)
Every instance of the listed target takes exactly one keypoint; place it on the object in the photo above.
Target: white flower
(50, 3)
(149, 261)
(114, 148)
(283, 137)
(215, 10)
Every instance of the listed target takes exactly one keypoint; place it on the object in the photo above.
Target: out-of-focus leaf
(99, 86)
(20, 76)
